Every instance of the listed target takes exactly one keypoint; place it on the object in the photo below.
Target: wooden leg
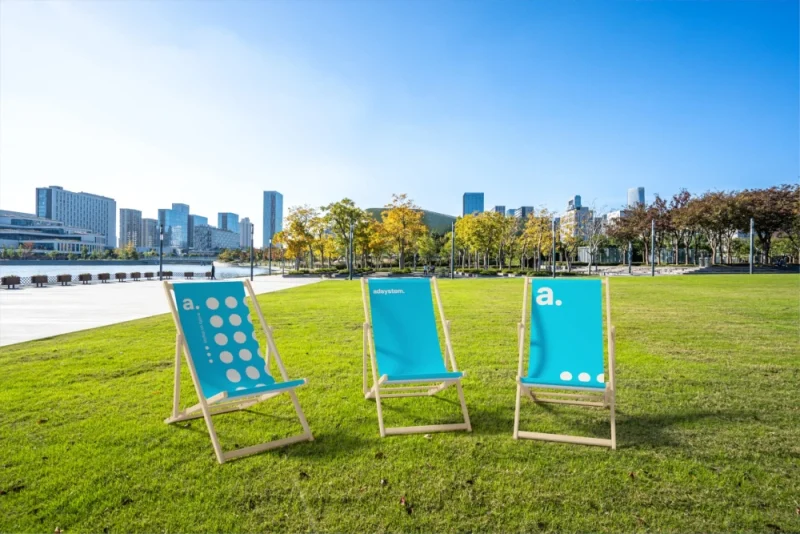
(301, 415)
(176, 401)
(516, 412)
(464, 407)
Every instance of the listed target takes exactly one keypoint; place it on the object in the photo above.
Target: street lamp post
(270, 257)
(350, 252)
(554, 247)
(160, 252)
(630, 257)
(453, 251)
(752, 229)
(252, 233)
(653, 247)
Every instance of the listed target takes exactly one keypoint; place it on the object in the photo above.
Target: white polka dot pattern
(235, 319)
(231, 302)
(212, 303)
(226, 356)
(239, 337)
(221, 339)
(566, 376)
(601, 378)
(216, 321)
(253, 373)
(584, 377)
(233, 375)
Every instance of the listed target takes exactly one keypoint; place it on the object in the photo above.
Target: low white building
(46, 235)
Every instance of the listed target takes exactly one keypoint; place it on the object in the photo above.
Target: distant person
(425, 270)
(212, 272)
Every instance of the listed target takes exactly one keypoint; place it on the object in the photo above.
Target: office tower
(175, 224)
(81, 210)
(635, 196)
(130, 228)
(522, 212)
(149, 233)
(273, 216)
(576, 219)
(472, 203)
(194, 222)
(500, 209)
(511, 212)
(228, 221)
(245, 233)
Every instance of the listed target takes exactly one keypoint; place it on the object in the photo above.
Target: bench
(120, 276)
(10, 281)
(64, 279)
(39, 280)
(148, 276)
(189, 275)
(84, 278)
(208, 275)
(136, 276)
(104, 277)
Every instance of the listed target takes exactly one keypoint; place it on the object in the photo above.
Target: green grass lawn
(708, 378)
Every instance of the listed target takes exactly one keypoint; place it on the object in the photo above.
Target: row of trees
(712, 221)
(708, 222)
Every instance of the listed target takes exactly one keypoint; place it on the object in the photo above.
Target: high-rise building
(500, 209)
(245, 233)
(635, 196)
(194, 222)
(575, 221)
(511, 212)
(130, 227)
(175, 224)
(472, 203)
(149, 233)
(273, 216)
(228, 221)
(522, 212)
(81, 210)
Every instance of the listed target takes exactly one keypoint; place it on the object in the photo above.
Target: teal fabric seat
(430, 376)
(222, 341)
(404, 328)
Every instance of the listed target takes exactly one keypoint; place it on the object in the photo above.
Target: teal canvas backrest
(566, 322)
(404, 327)
(219, 332)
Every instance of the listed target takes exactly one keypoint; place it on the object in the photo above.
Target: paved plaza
(34, 313)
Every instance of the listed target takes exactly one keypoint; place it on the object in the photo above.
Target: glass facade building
(273, 216)
(500, 209)
(472, 203)
(635, 196)
(44, 235)
(228, 221)
(175, 223)
(194, 222)
(210, 239)
(245, 233)
(149, 233)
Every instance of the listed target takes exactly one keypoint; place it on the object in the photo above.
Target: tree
(681, 224)
(402, 224)
(773, 210)
(296, 235)
(427, 248)
(339, 216)
(537, 235)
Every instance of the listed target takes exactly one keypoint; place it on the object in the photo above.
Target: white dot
(216, 321)
(584, 377)
(212, 303)
(221, 339)
(206, 347)
(230, 302)
(566, 375)
(233, 375)
(249, 319)
(239, 337)
(254, 335)
(235, 319)
(210, 361)
(558, 303)
(226, 356)
(241, 388)
(245, 354)
(252, 372)
(260, 353)
(601, 378)
(260, 385)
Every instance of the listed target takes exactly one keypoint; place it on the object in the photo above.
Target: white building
(575, 221)
(635, 196)
(79, 210)
(45, 235)
(130, 228)
(209, 239)
(245, 233)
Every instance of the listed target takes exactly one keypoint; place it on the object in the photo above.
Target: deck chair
(402, 345)
(566, 351)
(215, 332)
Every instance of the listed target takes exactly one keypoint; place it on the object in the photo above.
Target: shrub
(488, 272)
(397, 270)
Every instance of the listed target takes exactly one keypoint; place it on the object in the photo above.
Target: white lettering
(544, 296)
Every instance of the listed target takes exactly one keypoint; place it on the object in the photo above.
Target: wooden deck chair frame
(582, 396)
(409, 388)
(218, 404)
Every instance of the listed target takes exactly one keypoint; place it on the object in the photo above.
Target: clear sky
(210, 103)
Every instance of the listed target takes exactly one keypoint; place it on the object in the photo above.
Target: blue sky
(210, 103)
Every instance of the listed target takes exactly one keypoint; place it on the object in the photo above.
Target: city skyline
(118, 97)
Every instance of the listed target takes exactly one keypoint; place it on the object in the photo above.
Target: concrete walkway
(34, 313)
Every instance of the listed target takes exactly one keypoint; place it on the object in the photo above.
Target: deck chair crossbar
(546, 391)
(225, 397)
(386, 386)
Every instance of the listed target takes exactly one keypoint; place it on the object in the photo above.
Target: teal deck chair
(229, 372)
(566, 351)
(402, 345)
